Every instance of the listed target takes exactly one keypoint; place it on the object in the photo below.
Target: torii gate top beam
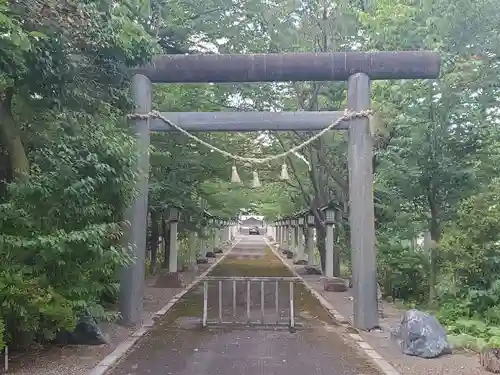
(336, 66)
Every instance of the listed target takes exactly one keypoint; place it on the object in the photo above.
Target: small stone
(300, 262)
(334, 284)
(313, 270)
(169, 280)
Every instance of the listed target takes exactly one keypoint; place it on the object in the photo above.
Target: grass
(269, 265)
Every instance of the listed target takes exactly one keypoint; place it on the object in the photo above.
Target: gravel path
(458, 363)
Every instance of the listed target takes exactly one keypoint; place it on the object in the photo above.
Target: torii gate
(358, 68)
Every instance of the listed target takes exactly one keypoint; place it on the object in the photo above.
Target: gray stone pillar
(132, 277)
(300, 239)
(203, 241)
(284, 234)
(174, 248)
(213, 238)
(329, 222)
(361, 212)
(293, 244)
(310, 245)
(193, 250)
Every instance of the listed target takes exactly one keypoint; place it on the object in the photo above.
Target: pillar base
(169, 280)
(313, 270)
(334, 284)
(193, 267)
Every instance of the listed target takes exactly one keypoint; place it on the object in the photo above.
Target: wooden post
(361, 214)
(132, 276)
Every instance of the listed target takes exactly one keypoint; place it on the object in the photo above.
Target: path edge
(112, 359)
(375, 357)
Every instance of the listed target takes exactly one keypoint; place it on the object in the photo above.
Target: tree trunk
(11, 138)
(336, 244)
(155, 239)
(435, 230)
(321, 243)
(166, 242)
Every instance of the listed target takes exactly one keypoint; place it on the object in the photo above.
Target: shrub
(60, 232)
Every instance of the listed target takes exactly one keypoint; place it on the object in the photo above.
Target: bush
(402, 273)
(60, 232)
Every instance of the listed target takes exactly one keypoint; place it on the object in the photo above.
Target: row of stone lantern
(288, 233)
(219, 231)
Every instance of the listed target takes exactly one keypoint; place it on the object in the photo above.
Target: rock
(289, 254)
(201, 261)
(421, 335)
(334, 284)
(313, 270)
(218, 250)
(300, 262)
(489, 359)
(210, 254)
(169, 280)
(86, 332)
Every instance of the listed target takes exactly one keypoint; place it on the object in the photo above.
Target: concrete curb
(383, 365)
(112, 359)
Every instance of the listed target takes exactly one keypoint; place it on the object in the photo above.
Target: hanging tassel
(284, 172)
(235, 177)
(256, 181)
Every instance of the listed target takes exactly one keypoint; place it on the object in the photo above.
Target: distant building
(248, 221)
(251, 222)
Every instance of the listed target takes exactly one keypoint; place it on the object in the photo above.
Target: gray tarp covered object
(421, 335)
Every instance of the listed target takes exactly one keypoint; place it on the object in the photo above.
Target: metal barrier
(236, 281)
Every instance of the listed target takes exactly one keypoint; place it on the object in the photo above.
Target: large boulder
(421, 335)
(86, 332)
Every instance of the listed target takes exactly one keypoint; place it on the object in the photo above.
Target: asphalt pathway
(179, 346)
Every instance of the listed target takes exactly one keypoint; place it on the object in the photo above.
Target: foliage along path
(178, 346)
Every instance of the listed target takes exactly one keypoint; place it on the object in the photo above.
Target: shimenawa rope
(348, 115)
